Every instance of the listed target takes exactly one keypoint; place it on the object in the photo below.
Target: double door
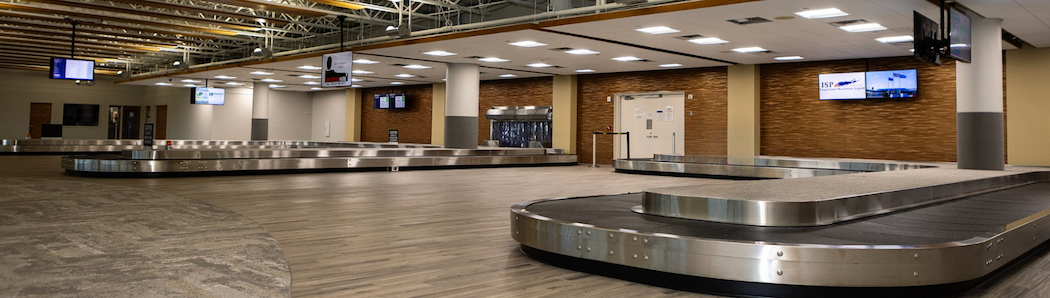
(655, 121)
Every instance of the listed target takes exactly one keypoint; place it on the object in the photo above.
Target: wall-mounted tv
(72, 69)
(834, 86)
(959, 35)
(382, 101)
(208, 96)
(888, 84)
(927, 43)
(892, 84)
(400, 101)
(79, 114)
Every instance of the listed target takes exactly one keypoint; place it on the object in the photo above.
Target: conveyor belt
(956, 220)
(918, 252)
(757, 168)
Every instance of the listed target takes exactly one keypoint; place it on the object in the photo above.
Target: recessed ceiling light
(584, 70)
(309, 67)
(750, 50)
(581, 52)
(365, 61)
(439, 53)
(225, 77)
(539, 65)
(657, 30)
(276, 86)
(405, 75)
(788, 58)
(234, 84)
(708, 40)
(190, 81)
(315, 88)
(896, 39)
(527, 44)
(670, 65)
(162, 84)
(361, 71)
(866, 27)
(822, 13)
(627, 59)
(311, 83)
(355, 86)
(416, 66)
(492, 59)
(396, 83)
(271, 80)
(507, 75)
(355, 80)
(189, 85)
(261, 73)
(309, 77)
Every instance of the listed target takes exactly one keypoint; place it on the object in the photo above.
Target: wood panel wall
(413, 124)
(705, 129)
(796, 123)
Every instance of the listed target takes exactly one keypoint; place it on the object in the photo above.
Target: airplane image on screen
(840, 84)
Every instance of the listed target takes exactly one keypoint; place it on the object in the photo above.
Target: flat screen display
(72, 69)
(927, 43)
(400, 101)
(208, 96)
(892, 84)
(382, 101)
(80, 114)
(834, 86)
(959, 36)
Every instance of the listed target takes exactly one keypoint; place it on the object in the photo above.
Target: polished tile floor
(431, 233)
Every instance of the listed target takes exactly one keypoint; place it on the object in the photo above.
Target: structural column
(743, 131)
(260, 111)
(353, 115)
(437, 119)
(979, 99)
(564, 122)
(461, 105)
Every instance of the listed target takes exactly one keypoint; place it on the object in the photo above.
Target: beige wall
(743, 127)
(1028, 97)
(564, 122)
(354, 104)
(330, 107)
(437, 126)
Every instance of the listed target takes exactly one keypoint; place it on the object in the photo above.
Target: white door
(655, 121)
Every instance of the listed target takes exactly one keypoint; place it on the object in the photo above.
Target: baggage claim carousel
(842, 229)
(190, 157)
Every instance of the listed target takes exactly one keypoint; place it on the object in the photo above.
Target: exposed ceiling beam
(55, 19)
(231, 25)
(58, 50)
(26, 8)
(46, 55)
(86, 44)
(83, 36)
(173, 6)
(273, 7)
(336, 3)
(79, 30)
(87, 41)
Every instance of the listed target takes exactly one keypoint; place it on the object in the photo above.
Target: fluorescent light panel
(708, 40)
(750, 50)
(162, 84)
(396, 83)
(788, 58)
(311, 83)
(365, 61)
(822, 13)
(190, 81)
(627, 59)
(670, 65)
(309, 67)
(539, 65)
(581, 52)
(493, 59)
(439, 53)
(234, 84)
(866, 27)
(416, 66)
(584, 70)
(507, 75)
(405, 75)
(276, 86)
(225, 77)
(272, 81)
(361, 71)
(315, 88)
(261, 73)
(896, 39)
(527, 44)
(309, 77)
(657, 30)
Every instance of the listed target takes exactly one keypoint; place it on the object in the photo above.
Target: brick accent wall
(518, 92)
(413, 124)
(705, 130)
(796, 123)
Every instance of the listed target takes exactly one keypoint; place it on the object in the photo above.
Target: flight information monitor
(72, 69)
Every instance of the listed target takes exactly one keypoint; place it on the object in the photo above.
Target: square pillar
(564, 122)
(744, 126)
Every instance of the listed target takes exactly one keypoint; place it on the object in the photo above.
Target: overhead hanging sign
(337, 69)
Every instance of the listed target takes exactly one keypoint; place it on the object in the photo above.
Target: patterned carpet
(72, 239)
